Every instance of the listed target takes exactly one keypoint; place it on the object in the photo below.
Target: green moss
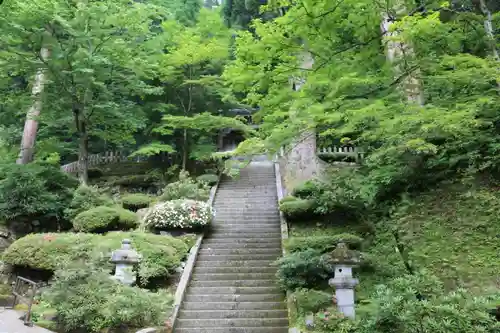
(161, 254)
(102, 219)
(136, 201)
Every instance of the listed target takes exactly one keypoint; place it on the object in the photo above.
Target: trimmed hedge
(85, 198)
(49, 251)
(209, 179)
(102, 219)
(311, 301)
(322, 243)
(308, 189)
(295, 208)
(136, 201)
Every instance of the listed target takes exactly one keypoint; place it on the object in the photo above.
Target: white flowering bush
(179, 214)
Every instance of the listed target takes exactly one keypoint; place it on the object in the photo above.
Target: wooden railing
(110, 157)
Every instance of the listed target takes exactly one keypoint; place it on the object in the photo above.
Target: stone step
(234, 305)
(243, 223)
(245, 235)
(255, 298)
(237, 257)
(234, 283)
(233, 290)
(233, 276)
(235, 270)
(230, 314)
(238, 251)
(283, 329)
(249, 229)
(243, 242)
(235, 263)
(245, 219)
(233, 323)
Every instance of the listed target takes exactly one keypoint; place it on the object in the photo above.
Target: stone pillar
(125, 260)
(344, 260)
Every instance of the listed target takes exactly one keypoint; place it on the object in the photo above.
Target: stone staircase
(233, 288)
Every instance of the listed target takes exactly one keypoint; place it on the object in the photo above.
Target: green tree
(190, 71)
(98, 64)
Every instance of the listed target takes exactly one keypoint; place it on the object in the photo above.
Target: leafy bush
(309, 189)
(400, 308)
(88, 299)
(179, 214)
(322, 243)
(310, 300)
(102, 219)
(295, 208)
(304, 269)
(185, 188)
(345, 194)
(35, 192)
(209, 179)
(136, 201)
(85, 198)
(161, 254)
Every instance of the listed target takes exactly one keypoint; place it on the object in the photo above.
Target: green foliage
(311, 188)
(399, 309)
(161, 254)
(185, 188)
(34, 192)
(296, 208)
(102, 219)
(88, 299)
(304, 269)
(209, 179)
(85, 198)
(311, 301)
(322, 243)
(136, 201)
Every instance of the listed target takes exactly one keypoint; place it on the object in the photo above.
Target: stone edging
(284, 237)
(188, 269)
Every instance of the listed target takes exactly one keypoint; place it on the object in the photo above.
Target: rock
(148, 330)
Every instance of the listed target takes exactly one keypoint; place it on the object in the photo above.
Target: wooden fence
(110, 157)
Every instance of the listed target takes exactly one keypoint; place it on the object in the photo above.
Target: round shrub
(34, 192)
(85, 198)
(304, 269)
(322, 243)
(179, 214)
(308, 189)
(310, 300)
(209, 179)
(185, 188)
(102, 219)
(295, 208)
(135, 201)
(161, 254)
(86, 298)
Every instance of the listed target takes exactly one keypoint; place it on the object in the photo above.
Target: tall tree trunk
(83, 154)
(488, 27)
(398, 53)
(28, 140)
(184, 150)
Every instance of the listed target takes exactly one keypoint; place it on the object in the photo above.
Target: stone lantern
(125, 259)
(344, 260)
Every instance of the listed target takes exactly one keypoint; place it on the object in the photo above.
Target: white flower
(183, 214)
